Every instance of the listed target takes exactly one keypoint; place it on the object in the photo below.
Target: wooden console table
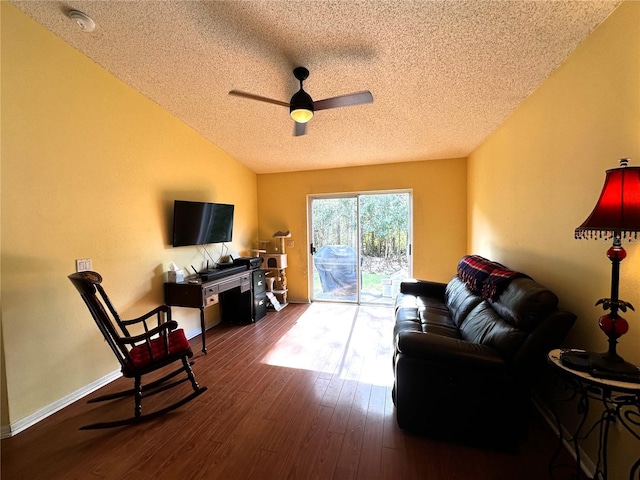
(194, 293)
(620, 402)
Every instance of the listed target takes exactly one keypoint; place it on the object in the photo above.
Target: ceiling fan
(301, 106)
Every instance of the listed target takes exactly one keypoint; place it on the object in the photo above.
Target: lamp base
(605, 365)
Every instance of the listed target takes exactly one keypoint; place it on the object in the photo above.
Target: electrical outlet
(83, 264)
(291, 244)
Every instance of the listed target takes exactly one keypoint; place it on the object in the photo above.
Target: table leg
(204, 343)
(576, 392)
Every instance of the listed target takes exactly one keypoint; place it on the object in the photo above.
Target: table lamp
(616, 216)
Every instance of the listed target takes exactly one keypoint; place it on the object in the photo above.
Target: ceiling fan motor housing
(301, 102)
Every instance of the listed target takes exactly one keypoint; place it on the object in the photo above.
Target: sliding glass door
(334, 248)
(360, 246)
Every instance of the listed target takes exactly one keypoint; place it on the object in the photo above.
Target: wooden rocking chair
(156, 347)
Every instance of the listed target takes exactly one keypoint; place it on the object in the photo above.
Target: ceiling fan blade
(344, 100)
(299, 129)
(251, 96)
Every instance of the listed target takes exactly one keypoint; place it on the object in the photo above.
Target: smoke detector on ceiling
(83, 20)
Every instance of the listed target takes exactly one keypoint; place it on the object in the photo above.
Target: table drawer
(259, 306)
(210, 290)
(259, 284)
(211, 300)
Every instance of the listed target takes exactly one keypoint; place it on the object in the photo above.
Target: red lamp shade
(618, 209)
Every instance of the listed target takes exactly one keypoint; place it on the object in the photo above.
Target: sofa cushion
(483, 325)
(459, 300)
(404, 300)
(407, 314)
(425, 320)
(438, 321)
(525, 303)
(406, 326)
(449, 352)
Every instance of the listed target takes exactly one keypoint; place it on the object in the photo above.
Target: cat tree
(274, 258)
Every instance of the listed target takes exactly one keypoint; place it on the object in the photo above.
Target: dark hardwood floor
(304, 393)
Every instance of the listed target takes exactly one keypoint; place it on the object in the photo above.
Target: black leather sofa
(466, 352)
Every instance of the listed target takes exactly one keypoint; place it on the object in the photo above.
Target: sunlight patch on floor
(347, 340)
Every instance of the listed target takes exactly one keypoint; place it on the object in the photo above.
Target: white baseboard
(586, 464)
(28, 421)
(24, 423)
(5, 431)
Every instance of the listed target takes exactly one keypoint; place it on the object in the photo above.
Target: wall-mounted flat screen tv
(201, 223)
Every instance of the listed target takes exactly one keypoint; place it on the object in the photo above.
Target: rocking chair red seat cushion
(156, 350)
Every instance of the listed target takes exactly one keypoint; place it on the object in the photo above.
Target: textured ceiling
(443, 74)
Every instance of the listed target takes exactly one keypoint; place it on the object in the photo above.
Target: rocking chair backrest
(88, 285)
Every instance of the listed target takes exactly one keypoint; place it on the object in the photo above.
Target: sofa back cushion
(525, 303)
(483, 325)
(459, 300)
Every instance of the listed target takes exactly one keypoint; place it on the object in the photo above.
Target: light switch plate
(83, 264)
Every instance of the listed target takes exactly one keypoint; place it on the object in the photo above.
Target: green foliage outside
(384, 231)
(384, 223)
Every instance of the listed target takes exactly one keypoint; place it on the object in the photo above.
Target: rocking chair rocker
(155, 348)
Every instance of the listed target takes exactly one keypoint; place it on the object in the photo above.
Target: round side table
(620, 401)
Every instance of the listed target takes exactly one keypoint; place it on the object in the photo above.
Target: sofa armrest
(423, 288)
(451, 352)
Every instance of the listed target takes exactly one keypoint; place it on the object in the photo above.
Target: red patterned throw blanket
(484, 277)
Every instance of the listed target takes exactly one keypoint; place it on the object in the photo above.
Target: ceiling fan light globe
(301, 115)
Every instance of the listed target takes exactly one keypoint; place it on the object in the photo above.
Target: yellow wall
(439, 206)
(90, 168)
(537, 178)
